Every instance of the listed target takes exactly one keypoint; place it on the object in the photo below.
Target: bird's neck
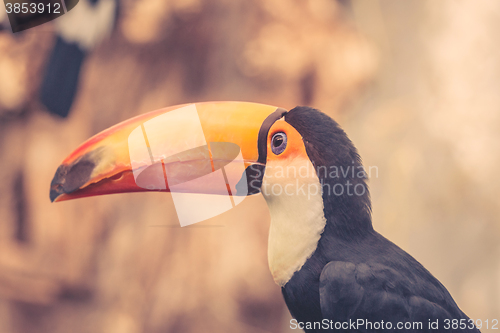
(301, 211)
(297, 217)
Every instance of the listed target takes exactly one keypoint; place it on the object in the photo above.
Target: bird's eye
(278, 143)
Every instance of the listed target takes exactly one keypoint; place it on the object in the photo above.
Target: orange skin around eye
(295, 145)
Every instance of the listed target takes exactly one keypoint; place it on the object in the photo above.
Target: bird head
(227, 149)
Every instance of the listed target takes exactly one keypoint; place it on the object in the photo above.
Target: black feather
(356, 273)
(60, 82)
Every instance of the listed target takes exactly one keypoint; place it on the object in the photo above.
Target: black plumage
(60, 83)
(356, 273)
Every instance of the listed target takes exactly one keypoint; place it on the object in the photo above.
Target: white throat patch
(294, 196)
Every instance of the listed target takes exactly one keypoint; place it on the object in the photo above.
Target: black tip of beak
(69, 178)
(54, 193)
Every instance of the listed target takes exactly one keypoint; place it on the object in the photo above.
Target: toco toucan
(78, 32)
(335, 271)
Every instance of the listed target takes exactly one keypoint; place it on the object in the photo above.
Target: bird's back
(370, 284)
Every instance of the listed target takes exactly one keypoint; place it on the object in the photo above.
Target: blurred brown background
(416, 85)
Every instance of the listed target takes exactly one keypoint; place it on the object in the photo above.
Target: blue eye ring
(278, 143)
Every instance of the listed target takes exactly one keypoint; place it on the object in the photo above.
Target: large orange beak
(193, 148)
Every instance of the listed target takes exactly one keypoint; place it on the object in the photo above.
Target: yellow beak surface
(192, 148)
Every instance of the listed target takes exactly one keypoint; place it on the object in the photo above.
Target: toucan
(335, 271)
(77, 34)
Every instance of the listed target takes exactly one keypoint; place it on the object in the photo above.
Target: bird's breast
(294, 196)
